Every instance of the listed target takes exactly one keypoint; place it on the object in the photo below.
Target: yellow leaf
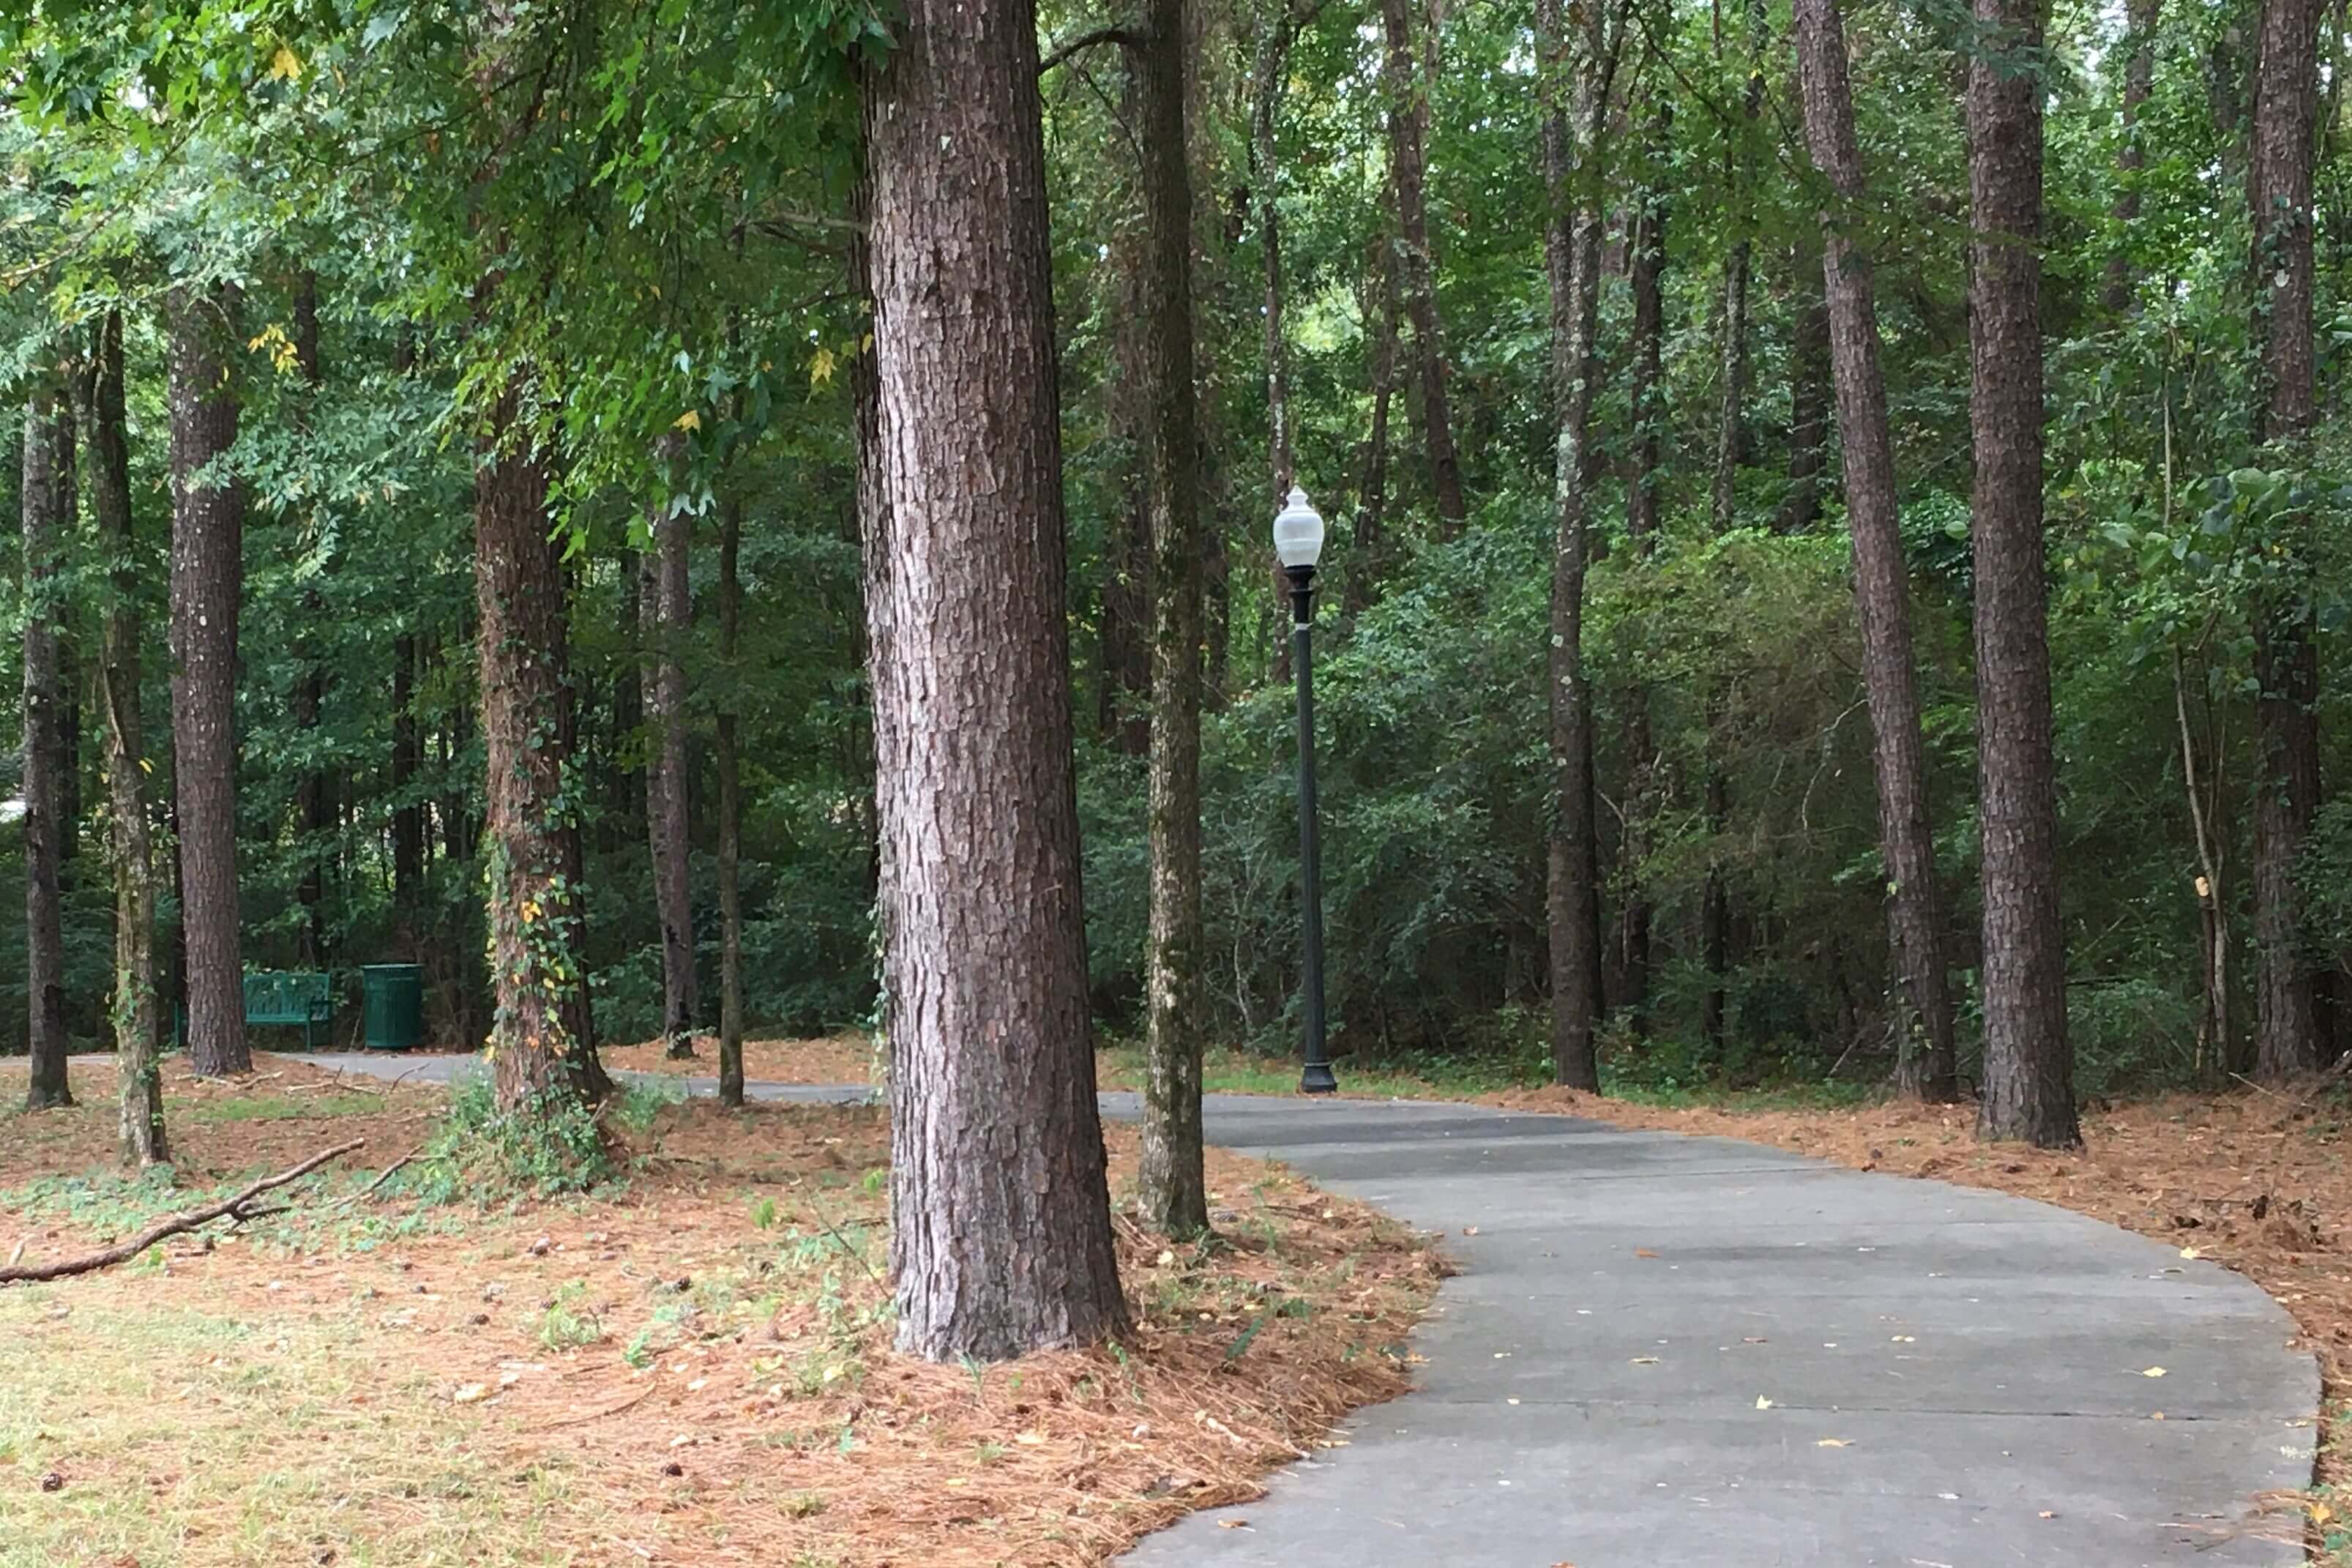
(2321, 1513)
(1833, 1443)
(283, 66)
(1762, 1403)
(2153, 1372)
(689, 420)
(820, 365)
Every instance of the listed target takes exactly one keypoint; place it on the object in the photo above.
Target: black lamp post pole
(1316, 1076)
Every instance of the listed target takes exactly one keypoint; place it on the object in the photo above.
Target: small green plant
(763, 1213)
(988, 1451)
(567, 1323)
(547, 1147)
(804, 1505)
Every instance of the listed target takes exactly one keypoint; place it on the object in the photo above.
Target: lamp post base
(1318, 1078)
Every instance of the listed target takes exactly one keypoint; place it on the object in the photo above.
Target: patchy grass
(693, 1367)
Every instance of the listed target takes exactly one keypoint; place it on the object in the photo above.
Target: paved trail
(1955, 1378)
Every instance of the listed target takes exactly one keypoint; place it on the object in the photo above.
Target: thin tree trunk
(47, 503)
(1276, 29)
(1926, 1057)
(1731, 425)
(137, 1024)
(2029, 1089)
(207, 586)
(2286, 799)
(1642, 482)
(999, 1212)
(541, 1044)
(2140, 82)
(1809, 394)
(1172, 1185)
(1571, 151)
(408, 840)
(1126, 590)
(671, 618)
(315, 797)
(731, 809)
(1370, 534)
(1408, 159)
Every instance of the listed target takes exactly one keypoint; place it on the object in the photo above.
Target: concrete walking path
(1666, 1351)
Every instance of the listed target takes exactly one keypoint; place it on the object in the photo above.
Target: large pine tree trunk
(2028, 1088)
(137, 1027)
(2286, 797)
(46, 504)
(1409, 166)
(1172, 1186)
(1571, 151)
(731, 809)
(670, 616)
(208, 588)
(2140, 82)
(541, 1044)
(999, 1204)
(1926, 1059)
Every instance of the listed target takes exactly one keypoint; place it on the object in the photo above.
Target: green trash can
(392, 1002)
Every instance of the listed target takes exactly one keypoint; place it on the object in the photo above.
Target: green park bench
(294, 998)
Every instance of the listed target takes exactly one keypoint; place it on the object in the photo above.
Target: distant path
(1945, 1365)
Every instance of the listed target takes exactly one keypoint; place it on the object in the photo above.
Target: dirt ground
(695, 1370)
(834, 1058)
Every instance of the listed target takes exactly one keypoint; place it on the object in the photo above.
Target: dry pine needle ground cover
(694, 1369)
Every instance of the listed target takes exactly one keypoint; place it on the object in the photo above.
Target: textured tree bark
(542, 1046)
(670, 619)
(207, 586)
(2287, 796)
(1127, 598)
(2140, 82)
(46, 506)
(1172, 1186)
(1572, 153)
(731, 810)
(1925, 1056)
(138, 1031)
(2029, 1089)
(1808, 396)
(1000, 1210)
(1408, 162)
(1642, 481)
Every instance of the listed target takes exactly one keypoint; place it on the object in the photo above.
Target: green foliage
(483, 1155)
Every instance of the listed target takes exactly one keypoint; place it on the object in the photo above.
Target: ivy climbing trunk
(1409, 167)
(1925, 1060)
(1573, 116)
(2029, 1089)
(46, 504)
(2287, 792)
(999, 1209)
(1171, 1184)
(670, 618)
(542, 1047)
(137, 1027)
(207, 589)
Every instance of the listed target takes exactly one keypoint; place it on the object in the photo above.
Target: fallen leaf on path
(1833, 1443)
(1762, 1403)
(472, 1393)
(1644, 1252)
(2153, 1372)
(1645, 1360)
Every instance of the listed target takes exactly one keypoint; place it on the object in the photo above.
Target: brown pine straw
(725, 1444)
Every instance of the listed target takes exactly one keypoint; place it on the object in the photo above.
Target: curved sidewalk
(1667, 1351)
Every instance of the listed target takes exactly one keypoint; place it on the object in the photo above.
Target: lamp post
(1298, 544)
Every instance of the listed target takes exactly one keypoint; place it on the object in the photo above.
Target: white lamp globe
(1299, 532)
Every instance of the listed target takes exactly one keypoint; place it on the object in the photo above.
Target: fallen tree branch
(381, 1177)
(178, 1224)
